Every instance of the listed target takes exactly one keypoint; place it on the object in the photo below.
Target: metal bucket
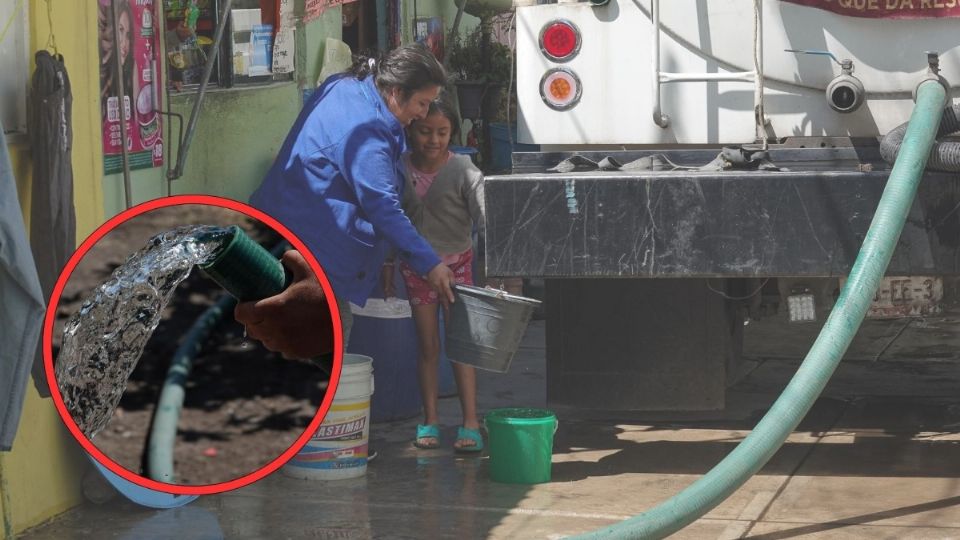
(486, 326)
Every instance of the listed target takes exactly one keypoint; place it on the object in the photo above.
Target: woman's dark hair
(409, 68)
(444, 105)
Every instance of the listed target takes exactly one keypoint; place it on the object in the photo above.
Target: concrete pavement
(878, 456)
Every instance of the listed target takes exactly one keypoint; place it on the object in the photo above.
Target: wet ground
(878, 456)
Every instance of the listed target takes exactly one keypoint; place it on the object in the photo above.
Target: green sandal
(431, 431)
(467, 434)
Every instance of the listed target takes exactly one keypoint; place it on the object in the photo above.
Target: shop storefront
(270, 58)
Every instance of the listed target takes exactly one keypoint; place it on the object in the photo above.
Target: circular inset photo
(148, 364)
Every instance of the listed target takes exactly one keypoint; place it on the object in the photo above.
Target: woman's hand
(442, 280)
(297, 322)
(386, 281)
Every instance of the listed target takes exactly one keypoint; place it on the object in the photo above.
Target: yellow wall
(40, 478)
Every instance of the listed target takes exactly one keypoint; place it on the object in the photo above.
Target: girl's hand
(386, 280)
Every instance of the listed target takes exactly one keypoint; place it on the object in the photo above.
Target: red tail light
(560, 40)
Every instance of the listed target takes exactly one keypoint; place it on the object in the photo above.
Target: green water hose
(812, 376)
(163, 432)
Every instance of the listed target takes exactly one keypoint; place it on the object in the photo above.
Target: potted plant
(479, 81)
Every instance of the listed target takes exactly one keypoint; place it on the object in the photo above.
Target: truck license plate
(906, 296)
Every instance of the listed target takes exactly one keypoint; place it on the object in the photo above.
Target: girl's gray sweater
(445, 215)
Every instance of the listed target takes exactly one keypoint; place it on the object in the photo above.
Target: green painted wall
(328, 25)
(239, 134)
(146, 184)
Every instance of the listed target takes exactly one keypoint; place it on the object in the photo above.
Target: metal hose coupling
(933, 74)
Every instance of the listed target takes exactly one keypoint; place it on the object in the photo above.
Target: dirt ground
(244, 406)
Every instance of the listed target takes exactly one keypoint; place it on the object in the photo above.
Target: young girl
(443, 198)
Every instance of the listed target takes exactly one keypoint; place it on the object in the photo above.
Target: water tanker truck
(705, 163)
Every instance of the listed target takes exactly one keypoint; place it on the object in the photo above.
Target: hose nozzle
(246, 270)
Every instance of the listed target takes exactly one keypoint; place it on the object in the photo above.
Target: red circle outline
(103, 459)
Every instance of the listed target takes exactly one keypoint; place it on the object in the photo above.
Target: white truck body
(616, 67)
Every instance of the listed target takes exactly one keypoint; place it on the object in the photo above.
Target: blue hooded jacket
(337, 185)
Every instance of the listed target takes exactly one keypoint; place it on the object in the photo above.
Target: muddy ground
(244, 405)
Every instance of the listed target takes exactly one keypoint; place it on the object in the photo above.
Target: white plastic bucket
(339, 447)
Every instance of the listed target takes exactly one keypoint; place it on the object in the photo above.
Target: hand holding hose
(297, 322)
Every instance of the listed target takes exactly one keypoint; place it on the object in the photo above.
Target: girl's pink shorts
(421, 293)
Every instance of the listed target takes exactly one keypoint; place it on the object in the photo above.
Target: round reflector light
(560, 40)
(560, 89)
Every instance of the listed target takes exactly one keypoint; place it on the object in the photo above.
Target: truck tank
(655, 244)
(616, 66)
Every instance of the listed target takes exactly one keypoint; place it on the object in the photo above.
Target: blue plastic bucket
(384, 330)
(501, 149)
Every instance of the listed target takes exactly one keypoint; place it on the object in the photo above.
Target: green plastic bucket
(520, 445)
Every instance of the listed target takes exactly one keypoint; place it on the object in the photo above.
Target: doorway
(360, 26)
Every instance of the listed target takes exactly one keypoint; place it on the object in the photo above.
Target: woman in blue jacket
(337, 185)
